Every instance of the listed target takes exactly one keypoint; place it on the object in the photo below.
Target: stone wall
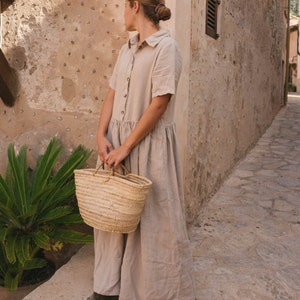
(64, 52)
(236, 89)
(230, 89)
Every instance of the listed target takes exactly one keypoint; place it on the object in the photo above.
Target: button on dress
(154, 262)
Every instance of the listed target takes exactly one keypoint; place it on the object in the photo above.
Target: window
(212, 18)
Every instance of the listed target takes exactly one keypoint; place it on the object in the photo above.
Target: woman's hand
(116, 156)
(104, 148)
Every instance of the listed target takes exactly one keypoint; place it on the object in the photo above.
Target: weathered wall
(236, 88)
(64, 52)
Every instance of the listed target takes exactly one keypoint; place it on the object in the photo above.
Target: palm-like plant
(36, 209)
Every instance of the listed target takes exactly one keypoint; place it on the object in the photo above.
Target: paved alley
(247, 245)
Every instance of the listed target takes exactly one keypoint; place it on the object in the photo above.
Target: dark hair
(155, 10)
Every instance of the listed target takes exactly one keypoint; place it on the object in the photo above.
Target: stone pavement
(246, 243)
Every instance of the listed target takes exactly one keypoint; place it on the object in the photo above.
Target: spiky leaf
(11, 281)
(9, 217)
(45, 165)
(10, 249)
(3, 232)
(76, 160)
(56, 213)
(70, 219)
(23, 249)
(5, 193)
(18, 165)
(70, 236)
(42, 240)
(35, 263)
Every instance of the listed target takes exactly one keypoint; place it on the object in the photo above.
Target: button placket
(127, 85)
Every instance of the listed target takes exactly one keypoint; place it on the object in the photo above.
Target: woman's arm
(104, 146)
(145, 125)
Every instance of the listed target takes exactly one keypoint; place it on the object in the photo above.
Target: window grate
(212, 18)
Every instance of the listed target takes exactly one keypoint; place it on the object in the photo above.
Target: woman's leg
(109, 248)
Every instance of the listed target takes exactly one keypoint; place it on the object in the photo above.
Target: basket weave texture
(110, 201)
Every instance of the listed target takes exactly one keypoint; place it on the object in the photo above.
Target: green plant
(11, 274)
(37, 209)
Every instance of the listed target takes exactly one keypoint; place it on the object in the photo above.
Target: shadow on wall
(64, 53)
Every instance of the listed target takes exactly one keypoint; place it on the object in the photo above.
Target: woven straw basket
(110, 201)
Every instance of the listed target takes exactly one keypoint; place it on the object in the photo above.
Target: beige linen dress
(154, 262)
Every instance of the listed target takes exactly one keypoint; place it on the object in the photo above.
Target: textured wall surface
(64, 52)
(236, 88)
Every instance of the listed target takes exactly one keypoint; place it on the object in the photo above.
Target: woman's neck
(145, 29)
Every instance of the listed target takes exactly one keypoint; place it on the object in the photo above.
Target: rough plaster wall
(64, 52)
(235, 89)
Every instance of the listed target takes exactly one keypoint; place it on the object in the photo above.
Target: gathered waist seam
(160, 124)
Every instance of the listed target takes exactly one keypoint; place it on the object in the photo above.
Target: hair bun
(163, 13)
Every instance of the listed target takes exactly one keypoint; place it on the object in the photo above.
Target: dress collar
(153, 40)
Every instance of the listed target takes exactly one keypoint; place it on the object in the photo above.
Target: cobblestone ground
(246, 244)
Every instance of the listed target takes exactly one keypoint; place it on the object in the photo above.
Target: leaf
(42, 240)
(5, 194)
(3, 232)
(55, 213)
(3, 260)
(70, 219)
(70, 236)
(60, 188)
(76, 160)
(45, 165)
(8, 217)
(42, 198)
(35, 263)
(9, 247)
(58, 197)
(18, 166)
(23, 249)
(11, 281)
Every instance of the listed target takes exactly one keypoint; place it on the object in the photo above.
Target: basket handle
(113, 170)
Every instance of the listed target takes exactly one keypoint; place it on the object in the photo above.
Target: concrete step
(73, 281)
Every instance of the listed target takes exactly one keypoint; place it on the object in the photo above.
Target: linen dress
(154, 262)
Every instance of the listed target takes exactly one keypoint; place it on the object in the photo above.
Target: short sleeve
(167, 69)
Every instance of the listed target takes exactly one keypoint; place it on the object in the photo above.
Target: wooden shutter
(212, 18)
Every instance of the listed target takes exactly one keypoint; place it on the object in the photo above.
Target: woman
(136, 127)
